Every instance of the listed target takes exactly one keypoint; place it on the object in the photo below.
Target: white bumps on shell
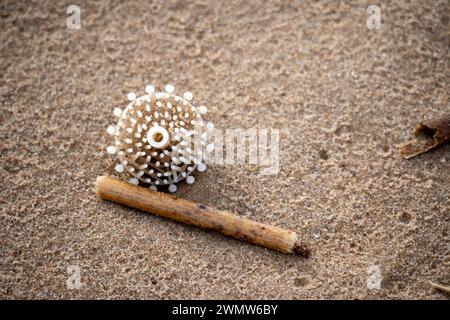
(131, 96)
(188, 96)
(133, 181)
(111, 150)
(169, 88)
(201, 167)
(119, 168)
(154, 138)
(111, 130)
(149, 89)
(190, 179)
(117, 112)
(202, 110)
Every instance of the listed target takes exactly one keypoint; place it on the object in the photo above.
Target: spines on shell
(154, 136)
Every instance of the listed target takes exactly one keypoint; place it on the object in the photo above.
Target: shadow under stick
(199, 215)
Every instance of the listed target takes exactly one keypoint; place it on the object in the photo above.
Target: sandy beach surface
(342, 95)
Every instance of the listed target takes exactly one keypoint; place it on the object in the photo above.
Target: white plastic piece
(172, 188)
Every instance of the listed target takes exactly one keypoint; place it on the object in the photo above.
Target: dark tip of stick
(301, 250)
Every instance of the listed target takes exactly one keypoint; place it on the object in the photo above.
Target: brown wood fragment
(429, 135)
(440, 287)
(202, 216)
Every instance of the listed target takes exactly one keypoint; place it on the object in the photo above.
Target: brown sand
(344, 95)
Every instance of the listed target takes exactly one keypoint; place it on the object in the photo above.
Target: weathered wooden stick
(440, 287)
(199, 215)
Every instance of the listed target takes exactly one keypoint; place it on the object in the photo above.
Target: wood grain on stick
(200, 215)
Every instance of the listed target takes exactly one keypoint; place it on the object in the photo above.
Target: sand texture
(342, 95)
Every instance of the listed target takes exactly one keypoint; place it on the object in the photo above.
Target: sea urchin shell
(154, 138)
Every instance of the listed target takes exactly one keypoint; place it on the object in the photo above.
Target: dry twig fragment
(429, 135)
(440, 287)
(199, 215)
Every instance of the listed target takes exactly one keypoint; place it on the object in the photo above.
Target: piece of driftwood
(440, 287)
(429, 135)
(200, 215)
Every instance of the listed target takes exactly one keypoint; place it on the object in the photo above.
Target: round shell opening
(158, 137)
